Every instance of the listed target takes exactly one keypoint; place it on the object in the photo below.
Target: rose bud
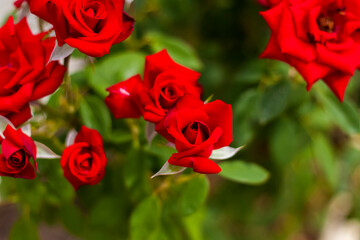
(321, 39)
(197, 129)
(84, 161)
(165, 82)
(18, 3)
(17, 150)
(90, 26)
(25, 75)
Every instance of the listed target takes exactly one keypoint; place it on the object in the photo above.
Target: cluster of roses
(29, 72)
(320, 38)
(170, 98)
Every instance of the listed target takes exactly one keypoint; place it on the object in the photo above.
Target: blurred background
(306, 143)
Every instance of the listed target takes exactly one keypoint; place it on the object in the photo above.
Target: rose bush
(90, 26)
(17, 150)
(25, 75)
(321, 39)
(84, 161)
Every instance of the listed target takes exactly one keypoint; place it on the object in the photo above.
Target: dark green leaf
(95, 114)
(194, 194)
(274, 101)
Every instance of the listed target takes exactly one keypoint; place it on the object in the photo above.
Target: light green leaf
(168, 169)
(243, 172)
(114, 69)
(24, 229)
(224, 153)
(145, 219)
(326, 159)
(180, 51)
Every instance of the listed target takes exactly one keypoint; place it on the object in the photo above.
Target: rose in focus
(17, 150)
(25, 75)
(84, 161)
(88, 25)
(197, 129)
(321, 39)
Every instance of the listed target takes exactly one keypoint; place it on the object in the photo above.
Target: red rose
(197, 131)
(268, 3)
(24, 75)
(319, 38)
(123, 99)
(88, 25)
(165, 82)
(17, 149)
(84, 162)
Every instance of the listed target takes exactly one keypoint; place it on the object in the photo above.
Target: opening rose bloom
(165, 82)
(84, 162)
(17, 150)
(24, 75)
(320, 38)
(197, 129)
(88, 25)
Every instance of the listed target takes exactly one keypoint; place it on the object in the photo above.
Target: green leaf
(180, 51)
(24, 229)
(71, 218)
(95, 114)
(274, 101)
(345, 114)
(194, 195)
(116, 68)
(282, 145)
(243, 172)
(145, 219)
(326, 159)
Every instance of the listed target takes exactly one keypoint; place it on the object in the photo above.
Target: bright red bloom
(90, 26)
(84, 162)
(197, 129)
(165, 82)
(320, 38)
(17, 150)
(25, 75)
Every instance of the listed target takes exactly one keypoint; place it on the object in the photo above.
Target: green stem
(67, 81)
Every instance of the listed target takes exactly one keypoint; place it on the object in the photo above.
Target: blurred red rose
(165, 82)
(18, 3)
(197, 129)
(17, 149)
(24, 75)
(268, 3)
(319, 38)
(84, 162)
(90, 26)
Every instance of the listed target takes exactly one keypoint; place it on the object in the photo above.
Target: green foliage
(24, 229)
(145, 219)
(302, 148)
(243, 172)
